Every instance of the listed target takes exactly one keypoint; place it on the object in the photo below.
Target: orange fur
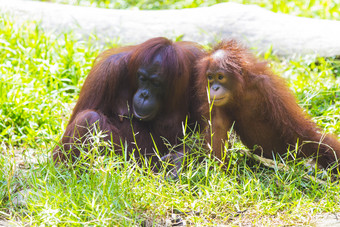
(263, 109)
(107, 93)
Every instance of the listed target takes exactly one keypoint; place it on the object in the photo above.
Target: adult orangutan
(265, 114)
(140, 95)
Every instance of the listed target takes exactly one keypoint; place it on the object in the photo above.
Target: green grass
(40, 77)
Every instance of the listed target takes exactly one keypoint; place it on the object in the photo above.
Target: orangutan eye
(141, 75)
(142, 78)
(220, 77)
(210, 77)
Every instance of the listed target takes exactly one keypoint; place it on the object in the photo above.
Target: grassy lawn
(40, 77)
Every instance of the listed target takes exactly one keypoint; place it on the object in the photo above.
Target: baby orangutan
(265, 114)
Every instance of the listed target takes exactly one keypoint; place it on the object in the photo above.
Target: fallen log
(255, 26)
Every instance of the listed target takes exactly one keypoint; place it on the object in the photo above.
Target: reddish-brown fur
(263, 109)
(107, 94)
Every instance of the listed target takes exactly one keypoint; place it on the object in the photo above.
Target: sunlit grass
(316, 84)
(40, 76)
(113, 191)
